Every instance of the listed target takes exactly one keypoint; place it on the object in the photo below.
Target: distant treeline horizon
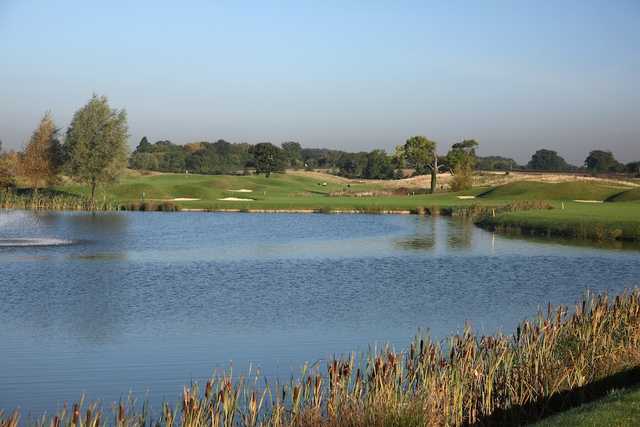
(224, 157)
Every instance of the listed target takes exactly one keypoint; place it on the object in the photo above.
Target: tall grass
(481, 211)
(53, 201)
(545, 365)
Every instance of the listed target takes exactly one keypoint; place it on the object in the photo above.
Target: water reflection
(432, 234)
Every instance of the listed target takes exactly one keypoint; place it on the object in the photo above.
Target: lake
(110, 303)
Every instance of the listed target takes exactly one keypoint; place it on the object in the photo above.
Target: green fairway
(280, 191)
(620, 408)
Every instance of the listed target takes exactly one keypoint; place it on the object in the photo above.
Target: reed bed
(54, 202)
(68, 202)
(550, 362)
(480, 211)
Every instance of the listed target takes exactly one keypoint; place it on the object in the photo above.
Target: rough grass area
(606, 221)
(620, 408)
(552, 362)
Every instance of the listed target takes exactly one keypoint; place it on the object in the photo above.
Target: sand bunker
(235, 199)
(589, 201)
(242, 190)
(184, 199)
(466, 197)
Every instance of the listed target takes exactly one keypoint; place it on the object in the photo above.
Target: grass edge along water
(551, 362)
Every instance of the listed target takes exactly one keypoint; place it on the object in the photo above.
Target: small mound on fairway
(626, 196)
(579, 190)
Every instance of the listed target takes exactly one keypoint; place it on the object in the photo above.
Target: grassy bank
(550, 363)
(620, 408)
(599, 222)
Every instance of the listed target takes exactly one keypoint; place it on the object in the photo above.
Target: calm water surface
(110, 303)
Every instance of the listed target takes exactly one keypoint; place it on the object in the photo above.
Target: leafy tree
(633, 167)
(143, 161)
(293, 151)
(41, 159)
(352, 165)
(462, 155)
(96, 143)
(268, 158)
(496, 163)
(461, 160)
(144, 146)
(8, 166)
(378, 166)
(322, 158)
(420, 153)
(547, 160)
(602, 161)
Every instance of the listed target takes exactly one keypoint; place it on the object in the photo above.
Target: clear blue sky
(515, 75)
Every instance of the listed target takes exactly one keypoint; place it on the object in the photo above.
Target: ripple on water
(24, 242)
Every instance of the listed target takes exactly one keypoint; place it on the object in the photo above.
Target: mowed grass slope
(578, 190)
(620, 408)
(626, 196)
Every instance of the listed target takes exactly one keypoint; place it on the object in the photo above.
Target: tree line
(94, 151)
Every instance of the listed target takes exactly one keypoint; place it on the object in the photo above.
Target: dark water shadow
(574, 242)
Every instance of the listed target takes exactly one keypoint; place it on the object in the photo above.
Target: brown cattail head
(208, 389)
(76, 414)
(121, 413)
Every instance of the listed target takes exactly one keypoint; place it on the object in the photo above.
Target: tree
(496, 163)
(41, 159)
(96, 143)
(293, 151)
(547, 160)
(8, 166)
(144, 146)
(267, 158)
(143, 161)
(633, 168)
(602, 161)
(461, 160)
(352, 165)
(378, 166)
(420, 153)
